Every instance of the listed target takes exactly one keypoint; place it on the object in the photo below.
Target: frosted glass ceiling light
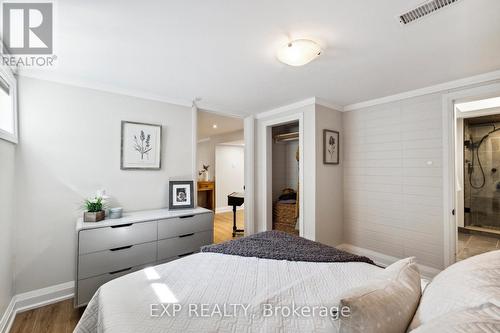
(299, 52)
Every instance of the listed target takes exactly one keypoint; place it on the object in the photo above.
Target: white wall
(69, 147)
(329, 181)
(393, 200)
(229, 161)
(285, 167)
(7, 172)
(206, 149)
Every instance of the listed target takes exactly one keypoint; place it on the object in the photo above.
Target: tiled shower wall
(484, 203)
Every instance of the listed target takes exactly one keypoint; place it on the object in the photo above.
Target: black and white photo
(181, 194)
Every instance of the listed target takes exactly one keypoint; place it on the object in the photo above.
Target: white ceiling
(225, 124)
(224, 50)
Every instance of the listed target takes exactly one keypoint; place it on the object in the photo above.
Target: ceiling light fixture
(299, 52)
(214, 126)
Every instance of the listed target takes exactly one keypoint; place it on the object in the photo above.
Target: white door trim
(449, 170)
(249, 137)
(266, 156)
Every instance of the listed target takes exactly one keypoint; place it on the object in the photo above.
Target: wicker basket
(284, 217)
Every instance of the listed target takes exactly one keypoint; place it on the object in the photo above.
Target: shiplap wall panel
(393, 194)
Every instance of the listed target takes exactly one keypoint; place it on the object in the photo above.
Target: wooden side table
(206, 194)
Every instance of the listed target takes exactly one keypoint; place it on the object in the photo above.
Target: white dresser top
(140, 216)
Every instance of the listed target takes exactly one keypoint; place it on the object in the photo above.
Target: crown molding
(284, 108)
(325, 103)
(451, 85)
(88, 84)
(299, 104)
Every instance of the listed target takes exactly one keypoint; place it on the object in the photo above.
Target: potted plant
(94, 207)
(203, 174)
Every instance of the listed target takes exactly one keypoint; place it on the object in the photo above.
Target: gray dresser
(112, 248)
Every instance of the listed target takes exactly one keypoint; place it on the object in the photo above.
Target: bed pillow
(386, 304)
(468, 283)
(482, 319)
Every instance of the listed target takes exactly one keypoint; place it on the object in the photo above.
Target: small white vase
(206, 176)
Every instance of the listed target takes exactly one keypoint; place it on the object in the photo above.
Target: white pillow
(385, 305)
(469, 283)
(482, 319)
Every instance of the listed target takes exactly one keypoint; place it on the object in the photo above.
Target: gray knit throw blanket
(282, 246)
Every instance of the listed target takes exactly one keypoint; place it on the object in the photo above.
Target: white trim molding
(35, 299)
(297, 105)
(249, 174)
(384, 260)
(7, 75)
(456, 84)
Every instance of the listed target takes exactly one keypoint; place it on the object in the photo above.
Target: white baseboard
(8, 317)
(226, 209)
(386, 260)
(35, 299)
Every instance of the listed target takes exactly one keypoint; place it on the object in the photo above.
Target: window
(8, 105)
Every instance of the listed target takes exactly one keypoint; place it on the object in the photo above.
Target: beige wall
(329, 184)
(70, 147)
(7, 173)
(393, 179)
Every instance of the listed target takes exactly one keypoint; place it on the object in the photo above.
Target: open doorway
(477, 169)
(285, 178)
(220, 165)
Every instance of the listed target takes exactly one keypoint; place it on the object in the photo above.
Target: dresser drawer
(181, 246)
(97, 263)
(93, 240)
(87, 287)
(178, 226)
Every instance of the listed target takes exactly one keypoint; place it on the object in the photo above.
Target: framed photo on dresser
(181, 194)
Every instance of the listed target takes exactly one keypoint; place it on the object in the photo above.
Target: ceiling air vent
(424, 10)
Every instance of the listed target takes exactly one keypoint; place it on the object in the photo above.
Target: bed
(257, 291)
(233, 290)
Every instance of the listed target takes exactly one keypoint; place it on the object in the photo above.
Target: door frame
(450, 121)
(266, 155)
(248, 136)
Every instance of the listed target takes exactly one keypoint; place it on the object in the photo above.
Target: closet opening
(285, 177)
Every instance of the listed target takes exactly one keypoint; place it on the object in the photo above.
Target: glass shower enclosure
(482, 172)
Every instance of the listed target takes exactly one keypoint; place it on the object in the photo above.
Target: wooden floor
(62, 317)
(223, 225)
(55, 318)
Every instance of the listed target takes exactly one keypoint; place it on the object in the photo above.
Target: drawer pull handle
(121, 226)
(121, 248)
(184, 254)
(120, 271)
(186, 235)
(186, 217)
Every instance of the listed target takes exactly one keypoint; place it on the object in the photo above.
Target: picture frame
(331, 147)
(141, 145)
(181, 194)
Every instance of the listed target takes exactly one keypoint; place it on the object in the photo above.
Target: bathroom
(480, 231)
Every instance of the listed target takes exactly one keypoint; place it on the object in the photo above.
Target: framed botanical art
(140, 146)
(180, 194)
(331, 147)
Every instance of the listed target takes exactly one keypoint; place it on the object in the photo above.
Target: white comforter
(222, 293)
